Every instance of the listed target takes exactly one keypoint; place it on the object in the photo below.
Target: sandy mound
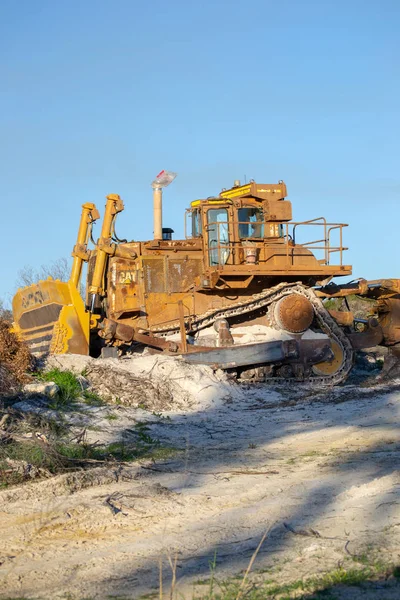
(153, 382)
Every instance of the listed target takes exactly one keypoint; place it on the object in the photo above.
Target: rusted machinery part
(294, 313)
(391, 364)
(330, 367)
(116, 333)
(342, 362)
(263, 353)
(110, 330)
(226, 355)
(333, 290)
(386, 293)
(265, 300)
(326, 323)
(251, 304)
(224, 335)
(343, 317)
(388, 311)
(371, 289)
(372, 336)
(329, 326)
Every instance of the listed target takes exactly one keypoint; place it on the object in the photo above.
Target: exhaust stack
(157, 208)
(163, 179)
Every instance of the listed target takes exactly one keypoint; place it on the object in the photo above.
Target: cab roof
(258, 191)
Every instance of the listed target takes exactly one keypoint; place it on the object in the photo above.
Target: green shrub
(69, 386)
(71, 389)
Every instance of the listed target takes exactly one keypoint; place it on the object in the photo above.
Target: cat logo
(35, 297)
(127, 277)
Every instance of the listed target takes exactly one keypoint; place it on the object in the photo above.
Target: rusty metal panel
(366, 339)
(123, 288)
(154, 275)
(164, 308)
(277, 210)
(388, 310)
(182, 273)
(343, 317)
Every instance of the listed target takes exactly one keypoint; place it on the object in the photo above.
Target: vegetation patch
(92, 399)
(71, 389)
(15, 360)
(360, 306)
(34, 447)
(313, 588)
(32, 458)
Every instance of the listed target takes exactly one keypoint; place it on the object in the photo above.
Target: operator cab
(239, 217)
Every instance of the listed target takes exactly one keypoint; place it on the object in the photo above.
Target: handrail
(231, 246)
(340, 227)
(315, 221)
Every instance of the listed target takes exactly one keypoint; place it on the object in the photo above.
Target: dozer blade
(50, 317)
(260, 353)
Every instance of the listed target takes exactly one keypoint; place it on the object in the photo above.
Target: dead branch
(210, 472)
(306, 532)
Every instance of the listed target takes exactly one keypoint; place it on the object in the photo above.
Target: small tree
(5, 313)
(57, 269)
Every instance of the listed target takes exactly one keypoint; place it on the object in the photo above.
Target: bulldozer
(246, 290)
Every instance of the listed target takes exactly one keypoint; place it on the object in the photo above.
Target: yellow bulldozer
(245, 290)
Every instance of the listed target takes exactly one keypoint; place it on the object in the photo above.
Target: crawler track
(264, 300)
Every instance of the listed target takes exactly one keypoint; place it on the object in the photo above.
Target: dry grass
(15, 360)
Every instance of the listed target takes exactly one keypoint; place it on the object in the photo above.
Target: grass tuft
(314, 588)
(35, 447)
(112, 417)
(69, 387)
(92, 399)
(71, 390)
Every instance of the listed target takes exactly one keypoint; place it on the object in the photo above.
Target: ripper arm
(105, 247)
(383, 328)
(80, 252)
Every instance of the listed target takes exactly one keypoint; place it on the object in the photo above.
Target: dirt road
(319, 471)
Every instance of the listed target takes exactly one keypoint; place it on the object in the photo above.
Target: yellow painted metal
(51, 317)
(114, 205)
(235, 192)
(261, 191)
(80, 254)
(330, 367)
(72, 330)
(210, 201)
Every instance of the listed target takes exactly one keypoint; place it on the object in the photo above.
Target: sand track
(245, 463)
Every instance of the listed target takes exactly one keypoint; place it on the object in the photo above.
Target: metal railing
(222, 250)
(326, 246)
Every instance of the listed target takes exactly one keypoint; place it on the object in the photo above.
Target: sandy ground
(250, 459)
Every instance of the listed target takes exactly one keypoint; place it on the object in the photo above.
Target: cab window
(196, 223)
(251, 222)
(218, 236)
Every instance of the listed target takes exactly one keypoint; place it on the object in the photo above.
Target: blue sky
(96, 97)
